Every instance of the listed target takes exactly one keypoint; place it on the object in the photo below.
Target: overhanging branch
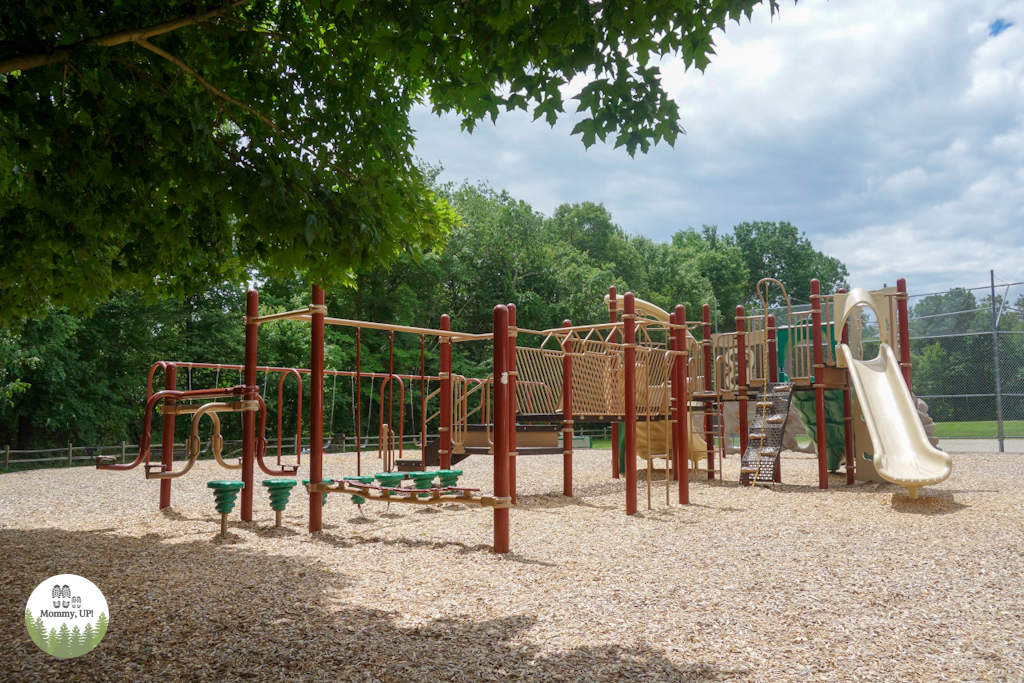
(132, 35)
(217, 92)
(207, 85)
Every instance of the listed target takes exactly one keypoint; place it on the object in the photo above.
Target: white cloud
(892, 133)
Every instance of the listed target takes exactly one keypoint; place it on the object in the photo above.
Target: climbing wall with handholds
(794, 428)
(764, 442)
(803, 403)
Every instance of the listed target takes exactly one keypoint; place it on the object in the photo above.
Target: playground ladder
(764, 442)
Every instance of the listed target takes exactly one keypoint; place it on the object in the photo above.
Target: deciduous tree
(165, 146)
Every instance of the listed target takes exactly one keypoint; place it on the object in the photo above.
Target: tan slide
(660, 447)
(903, 454)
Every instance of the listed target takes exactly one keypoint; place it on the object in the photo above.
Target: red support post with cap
(709, 404)
(741, 376)
(501, 428)
(904, 330)
(613, 317)
(682, 407)
(512, 437)
(819, 384)
(629, 410)
(567, 413)
(444, 427)
(316, 412)
(252, 310)
(167, 435)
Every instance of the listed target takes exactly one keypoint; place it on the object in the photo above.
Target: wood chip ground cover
(783, 584)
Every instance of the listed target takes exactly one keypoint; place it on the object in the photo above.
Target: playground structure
(644, 371)
(880, 435)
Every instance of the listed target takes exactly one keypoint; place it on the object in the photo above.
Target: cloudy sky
(892, 133)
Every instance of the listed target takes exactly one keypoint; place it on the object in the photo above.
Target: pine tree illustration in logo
(101, 627)
(88, 638)
(64, 642)
(75, 642)
(36, 630)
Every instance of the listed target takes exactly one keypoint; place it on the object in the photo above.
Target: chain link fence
(967, 354)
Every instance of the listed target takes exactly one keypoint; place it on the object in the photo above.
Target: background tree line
(69, 377)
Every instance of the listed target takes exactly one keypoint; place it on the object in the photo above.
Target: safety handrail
(401, 422)
(298, 412)
(194, 445)
(145, 439)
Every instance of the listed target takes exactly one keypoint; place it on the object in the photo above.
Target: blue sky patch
(998, 26)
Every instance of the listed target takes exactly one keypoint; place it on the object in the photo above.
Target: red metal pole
(682, 409)
(167, 445)
(709, 419)
(629, 417)
(851, 459)
(501, 428)
(819, 385)
(613, 317)
(252, 310)
(741, 376)
(444, 428)
(567, 414)
(316, 414)
(904, 330)
(359, 401)
(512, 437)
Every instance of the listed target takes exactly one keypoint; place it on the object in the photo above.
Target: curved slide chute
(903, 454)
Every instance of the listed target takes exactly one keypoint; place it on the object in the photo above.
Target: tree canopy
(781, 251)
(166, 146)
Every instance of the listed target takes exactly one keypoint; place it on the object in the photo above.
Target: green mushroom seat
(423, 480)
(359, 500)
(279, 490)
(389, 479)
(449, 477)
(225, 493)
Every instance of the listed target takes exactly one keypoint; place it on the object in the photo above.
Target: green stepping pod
(359, 500)
(280, 490)
(423, 480)
(389, 479)
(449, 477)
(225, 493)
(305, 482)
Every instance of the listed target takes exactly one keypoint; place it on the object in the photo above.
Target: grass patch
(982, 429)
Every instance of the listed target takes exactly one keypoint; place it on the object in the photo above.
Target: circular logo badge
(66, 616)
